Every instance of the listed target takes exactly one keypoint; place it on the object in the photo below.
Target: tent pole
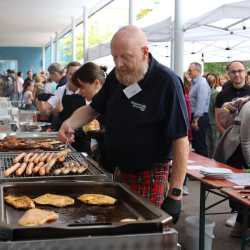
(51, 50)
(131, 12)
(178, 38)
(57, 48)
(85, 34)
(43, 58)
(73, 38)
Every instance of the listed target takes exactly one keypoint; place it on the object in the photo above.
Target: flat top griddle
(80, 219)
(94, 172)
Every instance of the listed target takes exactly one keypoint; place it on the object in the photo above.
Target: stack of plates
(216, 173)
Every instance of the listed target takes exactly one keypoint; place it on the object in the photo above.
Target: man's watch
(176, 192)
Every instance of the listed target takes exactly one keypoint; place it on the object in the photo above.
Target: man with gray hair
(199, 97)
(57, 74)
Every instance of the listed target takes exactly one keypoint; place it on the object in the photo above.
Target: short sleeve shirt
(140, 129)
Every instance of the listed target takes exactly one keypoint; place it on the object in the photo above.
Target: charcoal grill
(80, 220)
(94, 172)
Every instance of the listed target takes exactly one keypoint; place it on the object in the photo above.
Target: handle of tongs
(67, 143)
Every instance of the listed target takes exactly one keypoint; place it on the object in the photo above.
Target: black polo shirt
(229, 92)
(140, 130)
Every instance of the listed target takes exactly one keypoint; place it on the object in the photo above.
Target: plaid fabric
(150, 184)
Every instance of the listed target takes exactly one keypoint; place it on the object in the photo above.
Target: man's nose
(119, 62)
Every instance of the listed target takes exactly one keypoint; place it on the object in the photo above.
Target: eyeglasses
(234, 72)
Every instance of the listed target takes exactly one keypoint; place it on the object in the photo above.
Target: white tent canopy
(239, 10)
(221, 29)
(155, 33)
(225, 28)
(33, 23)
(222, 34)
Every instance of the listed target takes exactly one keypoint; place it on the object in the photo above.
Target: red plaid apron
(151, 184)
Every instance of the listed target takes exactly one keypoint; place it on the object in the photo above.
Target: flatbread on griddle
(54, 200)
(36, 217)
(97, 199)
(20, 202)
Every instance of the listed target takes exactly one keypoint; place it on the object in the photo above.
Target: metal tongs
(67, 144)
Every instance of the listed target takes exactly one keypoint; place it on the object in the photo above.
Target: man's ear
(145, 51)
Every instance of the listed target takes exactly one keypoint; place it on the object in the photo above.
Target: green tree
(219, 67)
(142, 13)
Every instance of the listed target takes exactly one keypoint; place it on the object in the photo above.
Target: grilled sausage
(42, 170)
(38, 158)
(27, 157)
(29, 168)
(61, 158)
(63, 153)
(74, 169)
(19, 157)
(50, 165)
(37, 167)
(21, 169)
(12, 169)
(65, 170)
(44, 158)
(31, 159)
(81, 169)
(66, 164)
(57, 171)
(50, 157)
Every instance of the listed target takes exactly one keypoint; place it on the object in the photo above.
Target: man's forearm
(180, 157)
(82, 116)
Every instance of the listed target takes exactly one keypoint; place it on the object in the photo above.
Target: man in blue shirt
(199, 97)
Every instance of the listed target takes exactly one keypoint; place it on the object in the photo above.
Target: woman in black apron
(70, 100)
(70, 103)
(89, 79)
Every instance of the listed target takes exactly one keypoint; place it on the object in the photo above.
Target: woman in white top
(28, 97)
(19, 84)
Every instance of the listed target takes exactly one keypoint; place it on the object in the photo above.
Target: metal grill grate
(92, 173)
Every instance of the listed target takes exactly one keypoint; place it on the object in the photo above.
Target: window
(65, 49)
(8, 64)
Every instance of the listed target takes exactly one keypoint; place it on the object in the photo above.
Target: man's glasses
(234, 72)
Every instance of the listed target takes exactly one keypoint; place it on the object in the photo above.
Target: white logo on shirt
(139, 106)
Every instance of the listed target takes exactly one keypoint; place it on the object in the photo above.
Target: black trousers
(199, 143)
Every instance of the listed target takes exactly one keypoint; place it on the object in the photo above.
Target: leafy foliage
(219, 67)
(142, 13)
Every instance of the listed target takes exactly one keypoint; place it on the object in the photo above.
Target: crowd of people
(148, 116)
(25, 91)
(219, 126)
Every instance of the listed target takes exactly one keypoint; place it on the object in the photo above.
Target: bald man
(146, 121)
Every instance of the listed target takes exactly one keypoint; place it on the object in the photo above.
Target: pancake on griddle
(97, 199)
(54, 200)
(36, 217)
(22, 202)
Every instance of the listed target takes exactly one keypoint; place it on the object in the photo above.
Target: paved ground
(222, 240)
